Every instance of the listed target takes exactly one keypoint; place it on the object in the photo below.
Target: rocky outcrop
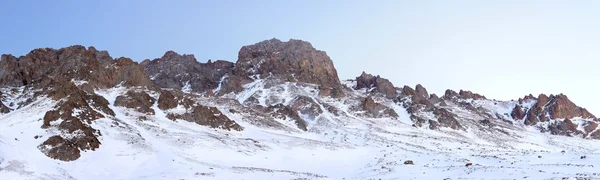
(95, 68)
(306, 106)
(140, 101)
(184, 72)
(377, 110)
(207, 116)
(376, 84)
(294, 60)
(3, 108)
(284, 112)
(77, 109)
(171, 99)
(547, 108)
(462, 94)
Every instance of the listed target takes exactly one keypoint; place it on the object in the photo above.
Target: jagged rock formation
(293, 61)
(207, 116)
(140, 101)
(185, 72)
(95, 68)
(376, 84)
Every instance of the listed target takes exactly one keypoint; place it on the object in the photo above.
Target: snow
(336, 147)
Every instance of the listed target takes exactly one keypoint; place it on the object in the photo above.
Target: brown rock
(72, 63)
(57, 147)
(294, 58)
(421, 91)
(590, 126)
(561, 107)
(208, 116)
(140, 101)
(178, 71)
(306, 106)
(283, 112)
(518, 113)
(379, 84)
(49, 117)
(166, 100)
(565, 128)
(470, 95)
(446, 118)
(377, 110)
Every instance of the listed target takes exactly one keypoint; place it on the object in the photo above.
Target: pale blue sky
(502, 49)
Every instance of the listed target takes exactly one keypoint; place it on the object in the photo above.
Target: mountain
(279, 112)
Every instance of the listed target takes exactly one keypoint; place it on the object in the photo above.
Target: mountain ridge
(76, 94)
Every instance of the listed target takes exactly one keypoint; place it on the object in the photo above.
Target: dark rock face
(284, 112)
(3, 108)
(462, 94)
(379, 84)
(421, 91)
(178, 71)
(77, 110)
(72, 63)
(377, 110)
(171, 99)
(556, 106)
(561, 107)
(446, 118)
(565, 128)
(140, 101)
(306, 106)
(208, 116)
(294, 60)
(166, 100)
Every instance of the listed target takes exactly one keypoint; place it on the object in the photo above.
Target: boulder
(377, 84)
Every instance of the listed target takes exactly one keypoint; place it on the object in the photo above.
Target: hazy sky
(502, 49)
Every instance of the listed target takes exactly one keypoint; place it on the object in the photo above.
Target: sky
(501, 49)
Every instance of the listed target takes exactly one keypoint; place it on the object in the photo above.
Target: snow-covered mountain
(279, 112)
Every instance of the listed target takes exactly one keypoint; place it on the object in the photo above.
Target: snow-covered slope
(343, 146)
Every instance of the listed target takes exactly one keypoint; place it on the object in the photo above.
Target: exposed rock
(306, 106)
(557, 107)
(421, 91)
(166, 100)
(590, 126)
(561, 107)
(518, 112)
(294, 60)
(434, 99)
(377, 84)
(283, 112)
(446, 118)
(140, 101)
(94, 67)
(470, 95)
(208, 116)
(565, 128)
(184, 71)
(59, 148)
(409, 162)
(450, 94)
(377, 110)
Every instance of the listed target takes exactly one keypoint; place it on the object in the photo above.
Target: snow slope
(335, 147)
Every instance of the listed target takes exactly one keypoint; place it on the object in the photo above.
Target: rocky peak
(462, 94)
(378, 84)
(184, 72)
(294, 60)
(94, 67)
(421, 91)
(470, 95)
(559, 106)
